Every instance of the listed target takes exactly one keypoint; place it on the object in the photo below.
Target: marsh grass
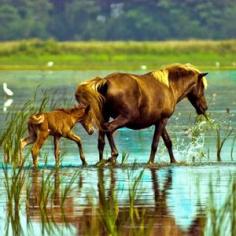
(223, 133)
(124, 157)
(110, 217)
(222, 220)
(232, 148)
(14, 180)
(16, 172)
(15, 128)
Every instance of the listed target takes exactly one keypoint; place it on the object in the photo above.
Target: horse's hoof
(84, 164)
(100, 163)
(150, 164)
(111, 161)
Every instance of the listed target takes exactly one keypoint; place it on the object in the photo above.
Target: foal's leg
(41, 137)
(77, 139)
(168, 143)
(158, 132)
(56, 149)
(114, 152)
(24, 142)
(28, 140)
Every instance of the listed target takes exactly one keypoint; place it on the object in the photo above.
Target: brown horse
(57, 123)
(139, 101)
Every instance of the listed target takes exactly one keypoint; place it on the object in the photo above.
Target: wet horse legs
(156, 137)
(41, 137)
(168, 144)
(101, 144)
(56, 149)
(114, 152)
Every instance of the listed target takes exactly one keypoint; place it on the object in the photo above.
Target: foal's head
(196, 95)
(86, 118)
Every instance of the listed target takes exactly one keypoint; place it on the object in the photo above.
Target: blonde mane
(162, 75)
(87, 92)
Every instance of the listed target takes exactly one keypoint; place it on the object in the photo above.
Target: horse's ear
(201, 75)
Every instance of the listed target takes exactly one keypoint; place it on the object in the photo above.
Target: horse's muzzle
(201, 110)
(90, 131)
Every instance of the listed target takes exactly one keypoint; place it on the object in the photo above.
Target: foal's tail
(36, 119)
(93, 92)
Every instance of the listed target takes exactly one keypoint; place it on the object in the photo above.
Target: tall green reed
(222, 219)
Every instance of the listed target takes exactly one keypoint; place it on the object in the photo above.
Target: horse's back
(140, 96)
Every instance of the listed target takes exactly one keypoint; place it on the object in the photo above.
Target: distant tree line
(117, 19)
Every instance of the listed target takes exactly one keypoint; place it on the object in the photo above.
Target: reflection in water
(117, 201)
(7, 104)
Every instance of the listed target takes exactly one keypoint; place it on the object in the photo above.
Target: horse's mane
(175, 71)
(162, 76)
(88, 92)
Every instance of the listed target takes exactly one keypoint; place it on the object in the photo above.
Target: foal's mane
(176, 71)
(88, 92)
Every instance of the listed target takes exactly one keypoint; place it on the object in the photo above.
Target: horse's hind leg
(24, 142)
(28, 140)
(56, 149)
(77, 139)
(168, 143)
(101, 144)
(37, 146)
(119, 121)
(114, 152)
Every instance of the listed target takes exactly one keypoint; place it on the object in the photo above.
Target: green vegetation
(117, 20)
(35, 54)
(222, 219)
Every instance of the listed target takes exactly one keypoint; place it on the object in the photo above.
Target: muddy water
(169, 200)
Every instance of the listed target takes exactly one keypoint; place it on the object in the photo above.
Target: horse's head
(87, 120)
(196, 95)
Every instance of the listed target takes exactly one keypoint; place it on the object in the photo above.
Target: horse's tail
(36, 119)
(92, 92)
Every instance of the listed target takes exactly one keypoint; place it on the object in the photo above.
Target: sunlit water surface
(175, 200)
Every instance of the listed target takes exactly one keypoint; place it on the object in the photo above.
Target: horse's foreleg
(114, 152)
(168, 143)
(101, 144)
(156, 137)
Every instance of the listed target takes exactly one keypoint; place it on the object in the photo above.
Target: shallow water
(172, 200)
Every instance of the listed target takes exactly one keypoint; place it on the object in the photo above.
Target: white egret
(50, 63)
(6, 90)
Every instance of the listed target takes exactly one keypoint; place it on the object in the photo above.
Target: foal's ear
(201, 75)
(86, 109)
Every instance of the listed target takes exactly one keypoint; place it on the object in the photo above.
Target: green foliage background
(117, 19)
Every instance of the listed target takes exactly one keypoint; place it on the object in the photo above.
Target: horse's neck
(181, 87)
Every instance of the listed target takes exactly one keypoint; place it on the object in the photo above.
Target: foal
(58, 123)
